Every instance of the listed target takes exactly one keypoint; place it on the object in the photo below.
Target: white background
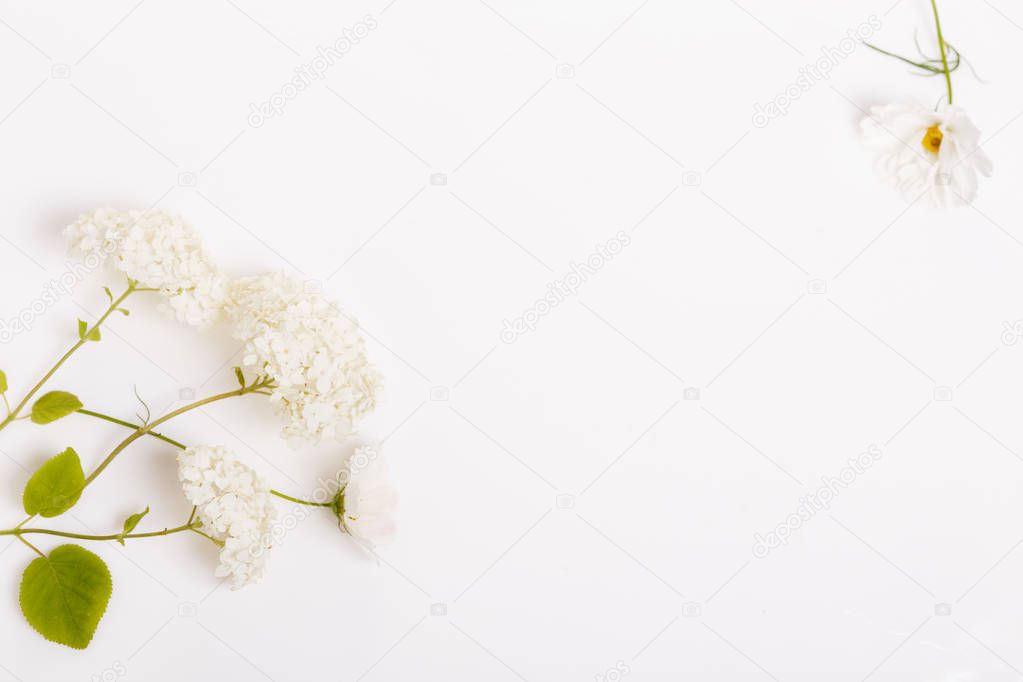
(646, 128)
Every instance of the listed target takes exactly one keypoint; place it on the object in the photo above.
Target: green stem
(218, 543)
(13, 414)
(941, 45)
(79, 536)
(32, 547)
(121, 422)
(920, 65)
(289, 498)
(148, 428)
(166, 439)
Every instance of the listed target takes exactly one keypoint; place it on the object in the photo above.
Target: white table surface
(580, 503)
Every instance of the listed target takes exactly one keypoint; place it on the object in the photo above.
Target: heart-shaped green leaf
(55, 486)
(65, 594)
(131, 522)
(53, 406)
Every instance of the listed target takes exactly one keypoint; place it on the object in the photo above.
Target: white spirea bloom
(367, 501)
(923, 151)
(233, 503)
(160, 252)
(315, 354)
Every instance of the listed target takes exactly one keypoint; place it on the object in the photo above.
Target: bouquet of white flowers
(300, 350)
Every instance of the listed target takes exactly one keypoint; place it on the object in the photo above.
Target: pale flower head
(233, 503)
(157, 250)
(921, 151)
(313, 351)
(366, 503)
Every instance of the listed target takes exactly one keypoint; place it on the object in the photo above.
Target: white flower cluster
(158, 251)
(921, 151)
(314, 352)
(324, 383)
(233, 503)
(368, 498)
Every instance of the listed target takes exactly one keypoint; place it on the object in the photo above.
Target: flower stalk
(182, 446)
(941, 46)
(148, 428)
(12, 414)
(113, 536)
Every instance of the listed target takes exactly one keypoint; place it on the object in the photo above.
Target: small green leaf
(64, 595)
(54, 405)
(109, 295)
(240, 376)
(84, 334)
(123, 311)
(131, 522)
(55, 486)
(3, 382)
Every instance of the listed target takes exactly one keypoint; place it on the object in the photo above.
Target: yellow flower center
(932, 139)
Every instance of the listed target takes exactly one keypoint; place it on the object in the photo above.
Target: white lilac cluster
(158, 251)
(367, 500)
(233, 503)
(921, 151)
(313, 351)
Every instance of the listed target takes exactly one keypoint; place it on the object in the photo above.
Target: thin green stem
(218, 543)
(80, 536)
(31, 546)
(941, 45)
(920, 65)
(13, 414)
(121, 422)
(166, 439)
(289, 498)
(148, 428)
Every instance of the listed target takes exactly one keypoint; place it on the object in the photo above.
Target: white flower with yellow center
(920, 152)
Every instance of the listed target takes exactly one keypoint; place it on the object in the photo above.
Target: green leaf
(131, 522)
(240, 376)
(109, 295)
(65, 594)
(123, 311)
(84, 334)
(3, 382)
(55, 486)
(54, 405)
